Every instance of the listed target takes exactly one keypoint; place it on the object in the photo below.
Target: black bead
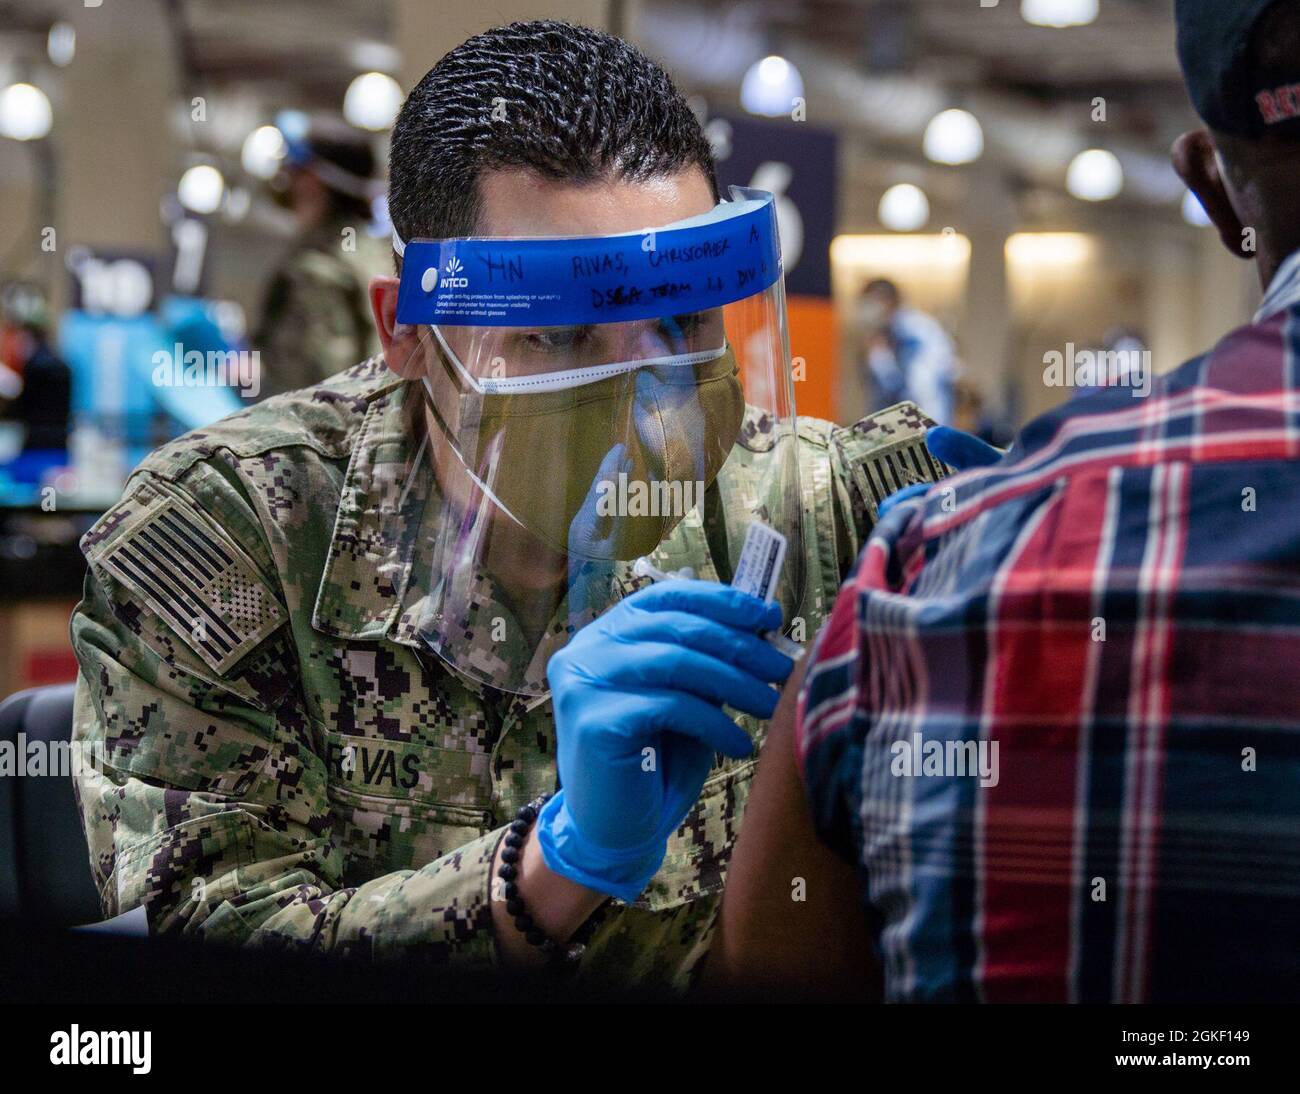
(516, 835)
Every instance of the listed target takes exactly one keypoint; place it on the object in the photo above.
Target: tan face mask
(605, 471)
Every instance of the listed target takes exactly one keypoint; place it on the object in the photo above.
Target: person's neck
(1274, 249)
(1267, 206)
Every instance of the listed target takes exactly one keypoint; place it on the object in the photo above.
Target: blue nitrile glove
(957, 449)
(960, 450)
(637, 697)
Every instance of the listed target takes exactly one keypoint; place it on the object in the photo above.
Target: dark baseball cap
(1229, 92)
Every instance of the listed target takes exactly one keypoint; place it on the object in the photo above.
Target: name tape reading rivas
(583, 280)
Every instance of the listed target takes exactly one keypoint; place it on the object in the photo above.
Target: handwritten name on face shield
(715, 260)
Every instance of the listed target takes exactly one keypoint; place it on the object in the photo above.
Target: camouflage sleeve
(204, 788)
(872, 459)
(314, 323)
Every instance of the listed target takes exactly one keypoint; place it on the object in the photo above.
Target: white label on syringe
(758, 572)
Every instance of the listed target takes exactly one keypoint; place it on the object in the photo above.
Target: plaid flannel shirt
(1055, 714)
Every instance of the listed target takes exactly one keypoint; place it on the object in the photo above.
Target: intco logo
(450, 280)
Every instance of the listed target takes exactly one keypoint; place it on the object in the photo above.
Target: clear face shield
(589, 402)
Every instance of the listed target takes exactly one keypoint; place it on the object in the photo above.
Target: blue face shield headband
(530, 316)
(692, 266)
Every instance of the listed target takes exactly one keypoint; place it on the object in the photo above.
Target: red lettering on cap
(1268, 107)
(1279, 105)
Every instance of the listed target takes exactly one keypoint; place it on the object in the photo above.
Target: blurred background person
(315, 320)
(909, 355)
(37, 383)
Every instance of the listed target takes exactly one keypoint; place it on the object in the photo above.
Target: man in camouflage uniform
(315, 319)
(285, 762)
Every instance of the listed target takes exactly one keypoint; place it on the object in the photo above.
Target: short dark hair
(577, 104)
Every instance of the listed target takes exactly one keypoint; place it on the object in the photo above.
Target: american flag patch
(198, 581)
(901, 466)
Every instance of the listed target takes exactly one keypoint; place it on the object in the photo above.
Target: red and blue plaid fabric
(1109, 618)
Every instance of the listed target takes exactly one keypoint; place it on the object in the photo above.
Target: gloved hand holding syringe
(641, 698)
(758, 573)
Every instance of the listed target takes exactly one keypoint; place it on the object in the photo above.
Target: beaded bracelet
(559, 955)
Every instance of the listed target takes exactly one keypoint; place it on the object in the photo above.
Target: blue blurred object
(963, 451)
(294, 126)
(110, 361)
(191, 325)
(124, 402)
(113, 362)
(30, 467)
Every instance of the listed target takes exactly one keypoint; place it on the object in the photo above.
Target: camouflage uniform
(316, 316)
(296, 769)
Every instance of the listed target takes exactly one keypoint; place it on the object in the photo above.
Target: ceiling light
(264, 149)
(1035, 250)
(61, 44)
(1095, 175)
(201, 188)
(1059, 13)
(954, 136)
(886, 252)
(904, 208)
(372, 101)
(25, 113)
(770, 87)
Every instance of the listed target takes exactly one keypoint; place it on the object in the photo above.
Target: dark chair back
(44, 866)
